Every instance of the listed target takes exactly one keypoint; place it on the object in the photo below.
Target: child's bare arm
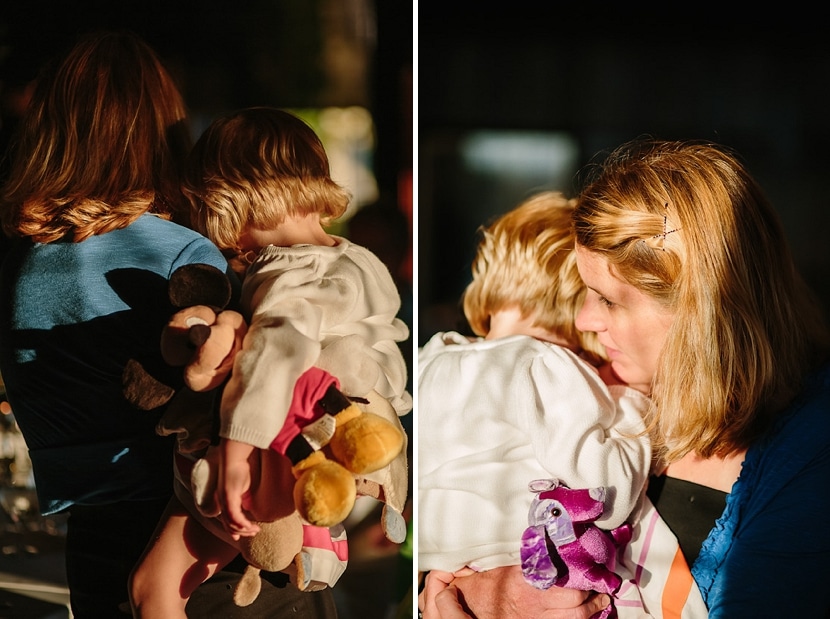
(234, 485)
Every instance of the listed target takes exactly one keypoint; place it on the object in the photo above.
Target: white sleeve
(583, 437)
(280, 345)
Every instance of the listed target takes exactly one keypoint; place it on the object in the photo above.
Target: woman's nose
(587, 317)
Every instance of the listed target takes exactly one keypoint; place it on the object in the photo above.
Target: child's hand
(234, 486)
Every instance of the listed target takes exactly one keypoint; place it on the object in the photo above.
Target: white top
(310, 305)
(494, 415)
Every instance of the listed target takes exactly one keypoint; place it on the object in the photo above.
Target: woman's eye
(605, 301)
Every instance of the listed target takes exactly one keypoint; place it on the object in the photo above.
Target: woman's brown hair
(102, 142)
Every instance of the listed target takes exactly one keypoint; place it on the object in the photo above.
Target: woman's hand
(502, 593)
(439, 598)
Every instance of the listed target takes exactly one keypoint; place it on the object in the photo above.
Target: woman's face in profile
(629, 324)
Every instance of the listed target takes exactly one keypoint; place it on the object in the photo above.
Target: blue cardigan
(769, 553)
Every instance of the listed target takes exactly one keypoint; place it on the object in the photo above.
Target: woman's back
(73, 315)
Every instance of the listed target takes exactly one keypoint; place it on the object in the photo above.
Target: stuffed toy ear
(199, 284)
(142, 389)
(189, 417)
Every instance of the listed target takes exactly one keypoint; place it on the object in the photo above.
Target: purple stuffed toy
(563, 547)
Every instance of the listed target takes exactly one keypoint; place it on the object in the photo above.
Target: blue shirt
(769, 553)
(71, 316)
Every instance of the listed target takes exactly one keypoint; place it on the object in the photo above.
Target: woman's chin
(620, 376)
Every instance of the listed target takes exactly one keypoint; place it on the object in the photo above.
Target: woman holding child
(694, 294)
(90, 205)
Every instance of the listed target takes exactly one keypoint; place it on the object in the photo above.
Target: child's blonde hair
(256, 167)
(525, 259)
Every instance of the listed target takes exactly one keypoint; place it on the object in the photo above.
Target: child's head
(102, 141)
(256, 167)
(525, 260)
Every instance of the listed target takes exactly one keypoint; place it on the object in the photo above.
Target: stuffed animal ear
(199, 284)
(141, 389)
(542, 485)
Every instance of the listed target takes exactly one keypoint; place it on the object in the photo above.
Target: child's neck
(509, 321)
(297, 230)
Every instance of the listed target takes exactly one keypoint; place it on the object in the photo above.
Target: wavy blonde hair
(525, 259)
(685, 223)
(102, 142)
(255, 167)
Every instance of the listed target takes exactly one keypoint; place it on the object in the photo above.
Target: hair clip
(661, 242)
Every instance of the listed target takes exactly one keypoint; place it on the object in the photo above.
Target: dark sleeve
(778, 564)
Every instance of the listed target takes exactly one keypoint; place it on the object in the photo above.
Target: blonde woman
(695, 296)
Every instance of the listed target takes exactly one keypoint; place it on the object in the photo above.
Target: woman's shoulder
(174, 242)
(149, 222)
(812, 403)
(799, 434)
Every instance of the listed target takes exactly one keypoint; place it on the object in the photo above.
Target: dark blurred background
(517, 97)
(302, 54)
(346, 67)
